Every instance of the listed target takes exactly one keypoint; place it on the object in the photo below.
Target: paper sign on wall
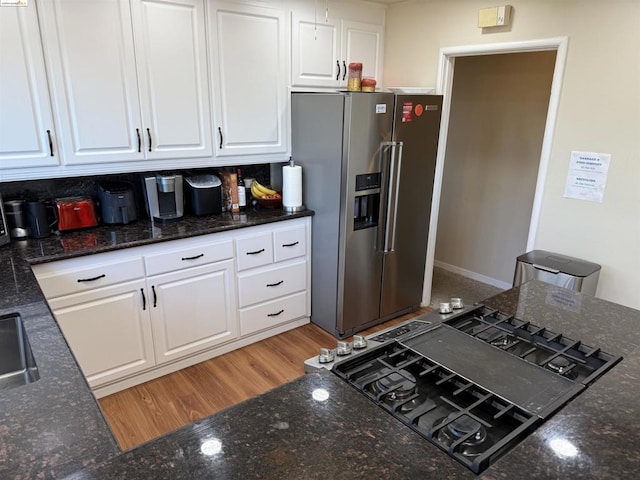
(587, 176)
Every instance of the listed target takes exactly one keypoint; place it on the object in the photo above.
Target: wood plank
(154, 408)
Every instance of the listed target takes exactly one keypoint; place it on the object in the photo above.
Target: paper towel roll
(291, 186)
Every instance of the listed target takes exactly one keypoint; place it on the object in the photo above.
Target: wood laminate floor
(152, 409)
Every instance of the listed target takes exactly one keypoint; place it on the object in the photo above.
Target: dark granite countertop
(316, 426)
(54, 426)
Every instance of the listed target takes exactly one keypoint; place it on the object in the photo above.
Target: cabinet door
(192, 310)
(108, 330)
(89, 48)
(249, 79)
(170, 48)
(362, 43)
(25, 111)
(315, 50)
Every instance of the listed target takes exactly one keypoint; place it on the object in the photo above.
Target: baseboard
(473, 275)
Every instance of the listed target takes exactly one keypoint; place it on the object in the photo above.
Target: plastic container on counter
(355, 77)
(368, 84)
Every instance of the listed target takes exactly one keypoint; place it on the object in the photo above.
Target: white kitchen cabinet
(170, 46)
(273, 276)
(129, 79)
(325, 40)
(249, 77)
(102, 308)
(137, 313)
(27, 135)
(108, 330)
(192, 310)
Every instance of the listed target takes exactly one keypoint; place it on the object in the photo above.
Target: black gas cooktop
(477, 383)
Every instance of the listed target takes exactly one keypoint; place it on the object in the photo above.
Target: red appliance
(75, 212)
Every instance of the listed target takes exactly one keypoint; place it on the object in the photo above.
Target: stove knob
(343, 348)
(359, 342)
(326, 355)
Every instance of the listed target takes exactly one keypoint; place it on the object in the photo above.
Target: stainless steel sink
(17, 366)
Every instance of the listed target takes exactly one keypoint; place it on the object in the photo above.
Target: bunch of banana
(260, 191)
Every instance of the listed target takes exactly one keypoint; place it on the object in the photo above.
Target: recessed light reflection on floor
(563, 447)
(210, 447)
(320, 394)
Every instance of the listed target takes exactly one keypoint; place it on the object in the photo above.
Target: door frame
(446, 67)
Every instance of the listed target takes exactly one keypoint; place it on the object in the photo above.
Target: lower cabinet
(137, 313)
(109, 330)
(192, 310)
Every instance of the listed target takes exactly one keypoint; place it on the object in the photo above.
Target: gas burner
(395, 388)
(493, 336)
(461, 427)
(561, 365)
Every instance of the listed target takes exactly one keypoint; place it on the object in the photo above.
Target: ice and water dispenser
(366, 205)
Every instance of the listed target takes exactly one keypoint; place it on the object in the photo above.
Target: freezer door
(367, 132)
(416, 125)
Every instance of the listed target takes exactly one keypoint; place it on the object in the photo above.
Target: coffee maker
(164, 197)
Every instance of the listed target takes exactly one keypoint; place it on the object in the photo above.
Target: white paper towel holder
(293, 209)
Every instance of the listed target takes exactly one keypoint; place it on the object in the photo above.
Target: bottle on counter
(242, 193)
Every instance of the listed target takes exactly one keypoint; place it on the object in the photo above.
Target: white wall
(599, 111)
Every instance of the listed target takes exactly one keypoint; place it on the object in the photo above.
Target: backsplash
(48, 189)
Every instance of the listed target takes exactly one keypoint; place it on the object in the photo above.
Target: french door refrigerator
(368, 168)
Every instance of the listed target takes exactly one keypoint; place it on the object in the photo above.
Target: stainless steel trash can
(568, 272)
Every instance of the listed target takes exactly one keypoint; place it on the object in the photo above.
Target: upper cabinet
(129, 79)
(249, 75)
(326, 37)
(27, 136)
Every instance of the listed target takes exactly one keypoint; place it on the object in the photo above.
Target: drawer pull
(193, 258)
(256, 252)
(155, 297)
(290, 244)
(274, 314)
(275, 284)
(80, 280)
(144, 300)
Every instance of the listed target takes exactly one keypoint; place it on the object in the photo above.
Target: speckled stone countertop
(54, 426)
(319, 427)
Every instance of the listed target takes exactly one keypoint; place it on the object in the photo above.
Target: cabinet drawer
(254, 251)
(275, 312)
(187, 256)
(276, 282)
(78, 275)
(289, 243)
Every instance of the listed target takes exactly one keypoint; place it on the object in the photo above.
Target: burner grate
(470, 423)
(537, 345)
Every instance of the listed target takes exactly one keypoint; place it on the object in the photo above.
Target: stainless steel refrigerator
(368, 164)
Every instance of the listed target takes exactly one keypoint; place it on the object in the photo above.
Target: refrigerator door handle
(390, 242)
(386, 164)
